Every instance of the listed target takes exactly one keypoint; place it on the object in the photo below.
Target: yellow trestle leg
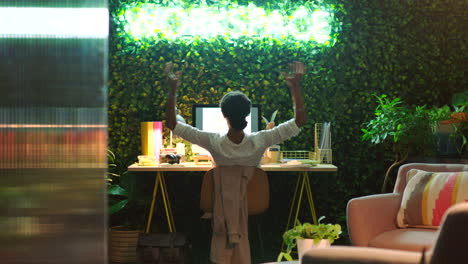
(160, 182)
(303, 181)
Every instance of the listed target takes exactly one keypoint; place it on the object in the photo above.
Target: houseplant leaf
(117, 190)
(118, 206)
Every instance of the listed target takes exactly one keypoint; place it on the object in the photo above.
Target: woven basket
(123, 245)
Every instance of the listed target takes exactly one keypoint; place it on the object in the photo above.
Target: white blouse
(249, 152)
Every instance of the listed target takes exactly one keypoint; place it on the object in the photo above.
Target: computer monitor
(208, 117)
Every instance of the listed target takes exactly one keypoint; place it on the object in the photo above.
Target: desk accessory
(322, 142)
(180, 148)
(174, 165)
(273, 154)
(289, 155)
(146, 160)
(201, 156)
(151, 138)
(202, 159)
(171, 158)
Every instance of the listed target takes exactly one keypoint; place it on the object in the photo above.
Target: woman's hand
(173, 79)
(293, 80)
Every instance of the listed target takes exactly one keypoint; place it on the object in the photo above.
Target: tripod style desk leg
(303, 181)
(160, 183)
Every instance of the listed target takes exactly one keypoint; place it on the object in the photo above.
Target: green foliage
(459, 104)
(210, 68)
(116, 190)
(177, 20)
(111, 170)
(406, 49)
(460, 101)
(407, 129)
(272, 119)
(307, 230)
(119, 195)
(439, 115)
(125, 201)
(389, 116)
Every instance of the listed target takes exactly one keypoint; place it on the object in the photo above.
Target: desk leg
(161, 183)
(309, 197)
(302, 182)
(153, 201)
(292, 203)
(167, 206)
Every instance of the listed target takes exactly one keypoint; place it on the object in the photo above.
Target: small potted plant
(270, 124)
(267, 156)
(306, 236)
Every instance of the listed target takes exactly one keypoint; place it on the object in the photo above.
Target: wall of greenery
(412, 49)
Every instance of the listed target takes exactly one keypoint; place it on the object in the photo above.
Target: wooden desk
(303, 182)
(283, 262)
(190, 166)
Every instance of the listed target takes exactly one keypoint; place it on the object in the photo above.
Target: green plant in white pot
(306, 236)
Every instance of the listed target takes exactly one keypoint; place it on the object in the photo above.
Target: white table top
(190, 166)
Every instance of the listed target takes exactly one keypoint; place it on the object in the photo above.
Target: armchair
(372, 219)
(450, 247)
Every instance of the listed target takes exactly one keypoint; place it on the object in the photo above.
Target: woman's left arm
(173, 79)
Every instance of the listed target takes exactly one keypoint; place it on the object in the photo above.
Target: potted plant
(459, 121)
(268, 157)
(125, 215)
(403, 129)
(306, 236)
(450, 125)
(270, 124)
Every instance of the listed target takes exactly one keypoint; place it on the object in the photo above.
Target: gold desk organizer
(322, 155)
(297, 155)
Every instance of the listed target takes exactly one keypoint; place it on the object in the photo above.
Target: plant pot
(447, 143)
(304, 245)
(123, 245)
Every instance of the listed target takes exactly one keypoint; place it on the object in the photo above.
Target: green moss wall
(413, 49)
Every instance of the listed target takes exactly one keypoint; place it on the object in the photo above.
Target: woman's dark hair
(236, 106)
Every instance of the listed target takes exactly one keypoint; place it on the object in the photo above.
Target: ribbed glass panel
(53, 131)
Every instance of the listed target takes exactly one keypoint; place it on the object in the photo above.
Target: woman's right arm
(294, 83)
(173, 79)
(183, 130)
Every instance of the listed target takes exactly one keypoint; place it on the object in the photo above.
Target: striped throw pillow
(428, 195)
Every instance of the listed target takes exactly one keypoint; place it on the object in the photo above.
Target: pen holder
(273, 154)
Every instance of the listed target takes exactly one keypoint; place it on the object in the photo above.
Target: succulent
(270, 124)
